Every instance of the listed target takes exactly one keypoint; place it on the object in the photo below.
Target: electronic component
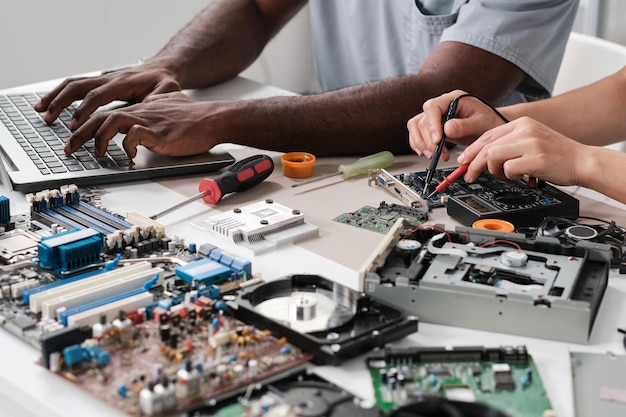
(143, 328)
(381, 218)
(81, 291)
(487, 197)
(17, 246)
(260, 226)
(70, 250)
(5, 211)
(326, 319)
(397, 188)
(511, 284)
(504, 378)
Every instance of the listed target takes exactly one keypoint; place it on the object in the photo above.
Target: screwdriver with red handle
(241, 176)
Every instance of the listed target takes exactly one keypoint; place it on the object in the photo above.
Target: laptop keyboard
(44, 143)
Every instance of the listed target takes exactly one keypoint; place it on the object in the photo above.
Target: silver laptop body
(33, 160)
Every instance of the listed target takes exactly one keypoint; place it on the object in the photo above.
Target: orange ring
(297, 164)
(494, 224)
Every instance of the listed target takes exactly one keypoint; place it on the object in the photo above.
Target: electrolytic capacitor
(253, 368)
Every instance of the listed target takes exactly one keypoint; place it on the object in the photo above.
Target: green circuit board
(509, 383)
(380, 219)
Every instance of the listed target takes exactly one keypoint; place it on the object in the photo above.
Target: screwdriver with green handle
(378, 160)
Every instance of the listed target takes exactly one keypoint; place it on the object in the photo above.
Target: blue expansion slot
(63, 316)
(123, 224)
(92, 221)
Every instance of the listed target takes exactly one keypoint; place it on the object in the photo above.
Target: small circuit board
(169, 362)
(504, 378)
(380, 219)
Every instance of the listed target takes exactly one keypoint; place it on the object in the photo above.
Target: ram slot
(50, 217)
(51, 306)
(107, 309)
(36, 299)
(103, 216)
(85, 219)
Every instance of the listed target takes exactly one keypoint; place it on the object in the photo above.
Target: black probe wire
(455, 103)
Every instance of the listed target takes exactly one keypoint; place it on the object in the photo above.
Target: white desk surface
(339, 251)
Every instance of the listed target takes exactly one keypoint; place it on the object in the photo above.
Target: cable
(607, 232)
(455, 102)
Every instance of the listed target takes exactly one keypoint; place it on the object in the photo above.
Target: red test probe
(449, 179)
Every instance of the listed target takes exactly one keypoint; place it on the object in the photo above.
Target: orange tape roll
(297, 164)
(494, 224)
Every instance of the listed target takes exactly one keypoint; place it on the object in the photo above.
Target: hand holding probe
(241, 176)
(430, 172)
(435, 159)
(382, 159)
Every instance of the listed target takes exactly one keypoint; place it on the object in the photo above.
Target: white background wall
(46, 39)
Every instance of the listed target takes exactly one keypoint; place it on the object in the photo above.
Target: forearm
(594, 114)
(223, 39)
(602, 170)
(357, 120)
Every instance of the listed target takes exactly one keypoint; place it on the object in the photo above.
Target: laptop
(32, 157)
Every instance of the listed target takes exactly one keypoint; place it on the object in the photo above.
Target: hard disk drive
(326, 319)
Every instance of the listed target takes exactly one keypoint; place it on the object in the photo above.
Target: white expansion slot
(36, 300)
(93, 293)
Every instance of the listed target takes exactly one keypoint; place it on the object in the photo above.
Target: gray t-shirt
(357, 41)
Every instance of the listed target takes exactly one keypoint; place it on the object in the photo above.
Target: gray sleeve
(531, 34)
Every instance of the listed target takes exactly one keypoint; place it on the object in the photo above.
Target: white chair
(588, 59)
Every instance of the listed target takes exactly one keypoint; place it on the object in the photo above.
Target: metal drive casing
(568, 283)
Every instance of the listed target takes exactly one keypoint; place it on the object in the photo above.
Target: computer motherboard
(126, 313)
